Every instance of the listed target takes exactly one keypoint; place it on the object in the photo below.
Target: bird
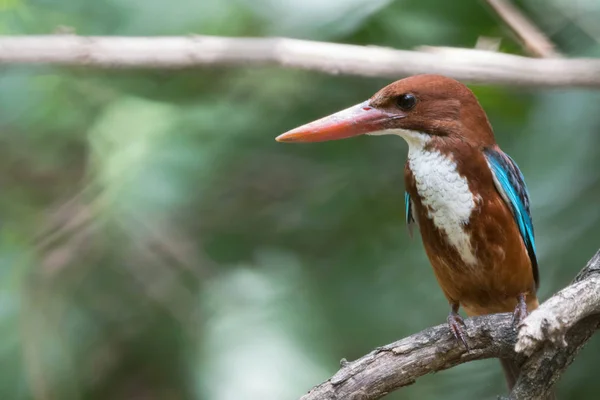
(468, 198)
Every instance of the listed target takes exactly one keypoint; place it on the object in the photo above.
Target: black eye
(406, 101)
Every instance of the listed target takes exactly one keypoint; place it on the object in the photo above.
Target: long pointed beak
(353, 121)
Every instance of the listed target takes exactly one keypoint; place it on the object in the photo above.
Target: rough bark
(546, 344)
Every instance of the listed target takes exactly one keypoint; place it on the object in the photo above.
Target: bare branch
(532, 38)
(211, 51)
(557, 315)
(399, 364)
(540, 372)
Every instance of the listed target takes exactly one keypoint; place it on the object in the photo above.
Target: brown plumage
(503, 271)
(467, 196)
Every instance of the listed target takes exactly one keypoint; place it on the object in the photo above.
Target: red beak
(353, 121)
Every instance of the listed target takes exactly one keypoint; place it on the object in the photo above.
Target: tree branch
(532, 38)
(561, 312)
(545, 367)
(399, 364)
(555, 332)
(475, 66)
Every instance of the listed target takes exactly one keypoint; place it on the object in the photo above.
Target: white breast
(444, 193)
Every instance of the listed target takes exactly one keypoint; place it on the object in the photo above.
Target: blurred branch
(573, 313)
(475, 66)
(533, 39)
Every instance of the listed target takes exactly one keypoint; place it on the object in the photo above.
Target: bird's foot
(520, 311)
(457, 324)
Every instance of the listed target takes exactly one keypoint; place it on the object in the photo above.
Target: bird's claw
(457, 324)
(520, 311)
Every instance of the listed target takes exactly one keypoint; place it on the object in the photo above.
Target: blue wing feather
(511, 184)
(410, 220)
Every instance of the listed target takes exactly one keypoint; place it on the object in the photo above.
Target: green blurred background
(157, 243)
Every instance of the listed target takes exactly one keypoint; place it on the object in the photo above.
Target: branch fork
(546, 343)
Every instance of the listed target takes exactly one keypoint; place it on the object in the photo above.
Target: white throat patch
(444, 192)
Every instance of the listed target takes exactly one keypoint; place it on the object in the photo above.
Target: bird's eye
(406, 101)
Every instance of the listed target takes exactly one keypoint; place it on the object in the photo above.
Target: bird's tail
(511, 374)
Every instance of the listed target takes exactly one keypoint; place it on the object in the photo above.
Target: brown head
(431, 104)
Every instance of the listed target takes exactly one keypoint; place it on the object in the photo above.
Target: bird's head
(416, 108)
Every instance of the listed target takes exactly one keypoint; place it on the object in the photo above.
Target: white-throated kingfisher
(467, 196)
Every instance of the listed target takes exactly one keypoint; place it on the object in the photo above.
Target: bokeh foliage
(158, 244)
